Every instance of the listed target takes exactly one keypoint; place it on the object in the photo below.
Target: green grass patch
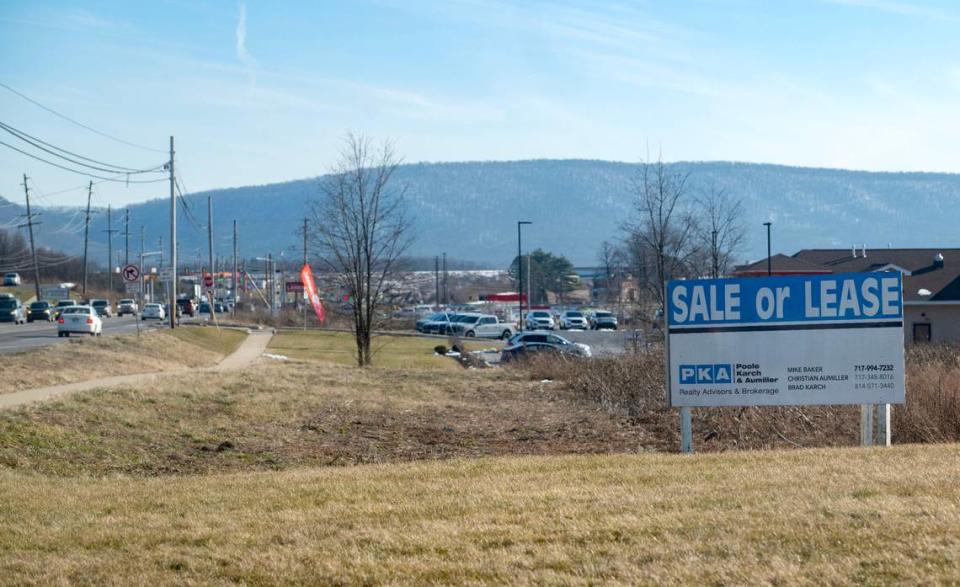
(22, 292)
(392, 352)
(218, 340)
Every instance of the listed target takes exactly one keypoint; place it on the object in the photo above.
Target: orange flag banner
(310, 291)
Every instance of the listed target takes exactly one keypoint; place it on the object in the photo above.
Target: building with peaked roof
(780, 265)
(931, 282)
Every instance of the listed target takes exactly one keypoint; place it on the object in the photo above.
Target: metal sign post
(883, 425)
(686, 431)
(866, 425)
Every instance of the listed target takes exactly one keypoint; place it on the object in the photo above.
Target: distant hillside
(470, 210)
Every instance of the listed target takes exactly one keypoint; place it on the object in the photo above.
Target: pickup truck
(127, 306)
(483, 326)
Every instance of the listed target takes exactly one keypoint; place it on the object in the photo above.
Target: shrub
(633, 385)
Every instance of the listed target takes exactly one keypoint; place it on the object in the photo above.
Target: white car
(573, 320)
(79, 320)
(540, 320)
(153, 311)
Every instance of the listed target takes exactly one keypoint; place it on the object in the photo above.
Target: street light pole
(769, 262)
(520, 223)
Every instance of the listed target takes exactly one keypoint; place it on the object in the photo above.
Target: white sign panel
(48, 292)
(132, 288)
(824, 339)
(165, 273)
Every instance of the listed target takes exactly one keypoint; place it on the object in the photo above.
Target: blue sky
(257, 92)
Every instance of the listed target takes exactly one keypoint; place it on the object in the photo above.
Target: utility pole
(126, 236)
(86, 235)
(235, 285)
(109, 232)
(520, 224)
(173, 242)
(142, 269)
(270, 283)
(33, 248)
(769, 261)
(715, 255)
(446, 295)
(436, 278)
(234, 279)
(211, 295)
(210, 232)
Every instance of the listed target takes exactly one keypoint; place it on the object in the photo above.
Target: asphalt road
(15, 338)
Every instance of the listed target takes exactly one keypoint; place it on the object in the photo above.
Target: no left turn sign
(131, 273)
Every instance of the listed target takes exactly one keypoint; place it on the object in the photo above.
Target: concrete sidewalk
(248, 352)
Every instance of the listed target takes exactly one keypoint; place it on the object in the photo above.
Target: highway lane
(15, 338)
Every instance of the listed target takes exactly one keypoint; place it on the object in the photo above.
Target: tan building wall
(944, 321)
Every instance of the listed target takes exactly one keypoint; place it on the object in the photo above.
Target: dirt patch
(294, 414)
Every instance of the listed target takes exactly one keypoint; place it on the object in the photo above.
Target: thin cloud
(241, 35)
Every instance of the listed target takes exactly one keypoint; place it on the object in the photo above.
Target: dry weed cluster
(634, 385)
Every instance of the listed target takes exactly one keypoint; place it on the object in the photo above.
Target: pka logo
(706, 374)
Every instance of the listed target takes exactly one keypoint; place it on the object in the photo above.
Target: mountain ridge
(469, 209)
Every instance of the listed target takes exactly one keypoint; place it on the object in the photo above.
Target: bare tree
(361, 229)
(612, 265)
(721, 229)
(665, 229)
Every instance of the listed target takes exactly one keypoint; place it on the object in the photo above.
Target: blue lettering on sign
(722, 374)
(847, 297)
(706, 374)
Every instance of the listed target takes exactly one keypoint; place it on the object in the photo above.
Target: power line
(39, 143)
(80, 124)
(79, 172)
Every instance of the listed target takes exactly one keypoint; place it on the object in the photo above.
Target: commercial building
(931, 282)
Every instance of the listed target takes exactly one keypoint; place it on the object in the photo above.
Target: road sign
(208, 280)
(165, 273)
(131, 273)
(294, 286)
(54, 292)
(822, 339)
(132, 287)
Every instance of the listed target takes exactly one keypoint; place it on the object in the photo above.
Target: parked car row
(571, 320)
(467, 324)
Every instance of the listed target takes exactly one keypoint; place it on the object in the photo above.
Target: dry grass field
(292, 414)
(419, 471)
(828, 516)
(81, 359)
(391, 352)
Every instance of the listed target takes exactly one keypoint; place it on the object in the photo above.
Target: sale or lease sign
(823, 339)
